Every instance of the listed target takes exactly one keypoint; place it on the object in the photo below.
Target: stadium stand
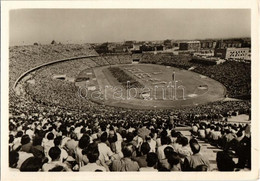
(51, 130)
(101, 61)
(237, 81)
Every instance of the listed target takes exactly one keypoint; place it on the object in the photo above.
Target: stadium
(70, 89)
(100, 75)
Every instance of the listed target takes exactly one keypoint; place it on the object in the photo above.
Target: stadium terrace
(58, 121)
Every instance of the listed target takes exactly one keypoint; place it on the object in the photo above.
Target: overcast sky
(95, 26)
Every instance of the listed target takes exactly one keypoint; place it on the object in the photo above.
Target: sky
(27, 26)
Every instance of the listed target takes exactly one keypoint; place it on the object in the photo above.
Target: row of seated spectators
(235, 76)
(234, 139)
(43, 138)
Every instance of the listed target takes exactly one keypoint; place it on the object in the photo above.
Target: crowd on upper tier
(235, 76)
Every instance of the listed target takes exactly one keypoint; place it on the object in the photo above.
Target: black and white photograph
(129, 89)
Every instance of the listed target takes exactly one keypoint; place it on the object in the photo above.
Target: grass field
(189, 88)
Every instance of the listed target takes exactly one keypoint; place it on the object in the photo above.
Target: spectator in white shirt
(48, 143)
(104, 151)
(165, 141)
(151, 142)
(17, 140)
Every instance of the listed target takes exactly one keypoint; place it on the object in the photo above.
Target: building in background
(232, 53)
(190, 46)
(208, 44)
(152, 47)
(222, 44)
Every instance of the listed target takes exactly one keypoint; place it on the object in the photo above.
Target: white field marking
(192, 95)
(203, 76)
(202, 88)
(92, 88)
(162, 82)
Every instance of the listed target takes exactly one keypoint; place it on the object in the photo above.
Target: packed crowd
(237, 80)
(124, 58)
(234, 139)
(49, 138)
(179, 61)
(50, 132)
(23, 58)
(112, 60)
(43, 138)
(235, 76)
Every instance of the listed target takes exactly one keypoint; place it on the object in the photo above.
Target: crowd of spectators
(235, 76)
(112, 59)
(48, 132)
(234, 139)
(237, 81)
(23, 58)
(43, 138)
(124, 58)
